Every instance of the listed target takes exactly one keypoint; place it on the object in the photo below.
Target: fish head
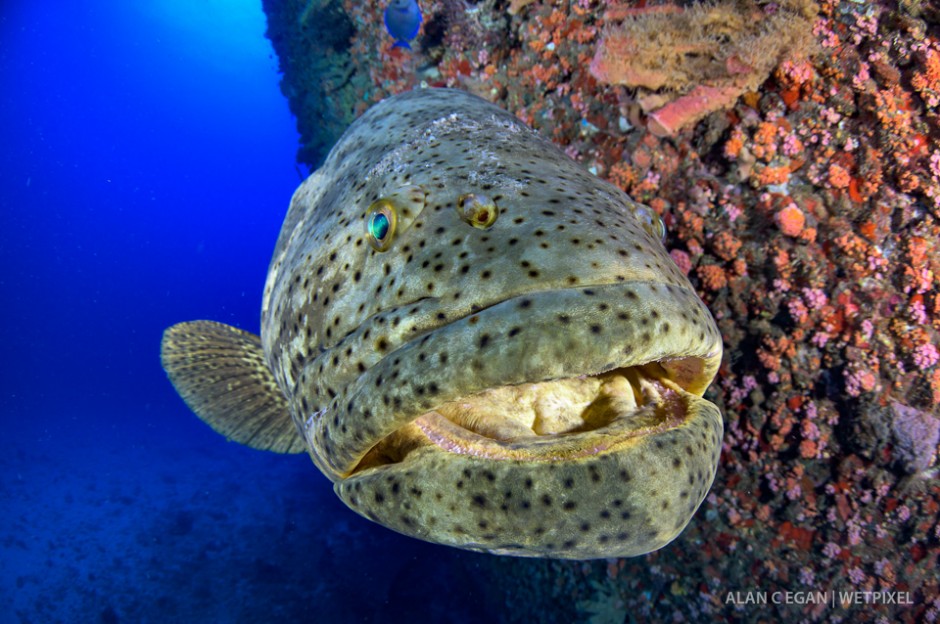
(487, 346)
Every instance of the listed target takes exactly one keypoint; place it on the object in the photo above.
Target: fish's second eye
(380, 224)
(478, 210)
(651, 222)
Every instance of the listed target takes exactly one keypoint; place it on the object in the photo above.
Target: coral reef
(915, 437)
(689, 62)
(807, 212)
(311, 38)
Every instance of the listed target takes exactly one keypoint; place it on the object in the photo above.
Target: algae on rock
(688, 62)
(312, 42)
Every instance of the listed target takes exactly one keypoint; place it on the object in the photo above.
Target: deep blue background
(146, 164)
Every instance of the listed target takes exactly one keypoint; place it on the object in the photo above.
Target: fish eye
(380, 224)
(651, 222)
(478, 210)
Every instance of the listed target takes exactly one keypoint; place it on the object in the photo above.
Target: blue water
(146, 163)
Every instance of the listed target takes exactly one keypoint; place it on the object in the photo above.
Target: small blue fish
(402, 21)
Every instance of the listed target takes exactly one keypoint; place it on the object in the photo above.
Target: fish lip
(664, 406)
(691, 360)
(521, 298)
(469, 501)
(712, 354)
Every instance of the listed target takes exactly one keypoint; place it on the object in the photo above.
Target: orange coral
(894, 110)
(935, 385)
(852, 244)
(773, 175)
(725, 245)
(917, 249)
(927, 82)
(734, 144)
(765, 141)
(544, 75)
(768, 360)
(691, 222)
(713, 276)
(838, 177)
(790, 220)
(623, 175)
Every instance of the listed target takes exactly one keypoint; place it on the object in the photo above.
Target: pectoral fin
(221, 374)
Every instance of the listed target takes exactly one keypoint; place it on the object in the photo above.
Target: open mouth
(566, 423)
(553, 420)
(544, 376)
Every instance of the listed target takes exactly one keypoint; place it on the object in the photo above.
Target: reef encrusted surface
(805, 209)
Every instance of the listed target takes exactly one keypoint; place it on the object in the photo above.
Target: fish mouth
(549, 421)
(599, 422)
(585, 393)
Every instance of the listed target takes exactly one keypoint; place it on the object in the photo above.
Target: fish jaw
(623, 490)
(530, 338)
(659, 336)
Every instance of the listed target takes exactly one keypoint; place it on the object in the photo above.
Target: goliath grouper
(479, 343)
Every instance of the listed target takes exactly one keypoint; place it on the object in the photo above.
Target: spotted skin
(568, 282)
(611, 504)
